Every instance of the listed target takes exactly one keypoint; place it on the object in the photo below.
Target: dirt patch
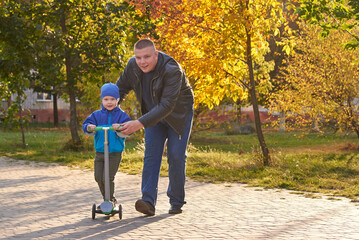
(333, 148)
(351, 147)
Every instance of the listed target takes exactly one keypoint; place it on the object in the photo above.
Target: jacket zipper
(153, 94)
(109, 123)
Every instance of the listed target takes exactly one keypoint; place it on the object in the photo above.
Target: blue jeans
(155, 139)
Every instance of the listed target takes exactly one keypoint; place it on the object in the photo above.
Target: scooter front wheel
(93, 211)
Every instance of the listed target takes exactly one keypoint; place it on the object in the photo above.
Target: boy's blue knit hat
(110, 89)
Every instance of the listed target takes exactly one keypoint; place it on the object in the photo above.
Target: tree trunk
(8, 102)
(282, 121)
(355, 124)
(315, 126)
(252, 89)
(22, 132)
(56, 113)
(22, 127)
(238, 112)
(70, 85)
(73, 115)
(357, 132)
(353, 117)
(73, 118)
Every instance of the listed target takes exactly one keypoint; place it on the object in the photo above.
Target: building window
(44, 97)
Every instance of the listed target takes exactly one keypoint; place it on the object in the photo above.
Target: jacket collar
(113, 110)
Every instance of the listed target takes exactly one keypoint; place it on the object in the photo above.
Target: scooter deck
(113, 211)
(116, 210)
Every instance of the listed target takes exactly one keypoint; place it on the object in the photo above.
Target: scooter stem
(106, 166)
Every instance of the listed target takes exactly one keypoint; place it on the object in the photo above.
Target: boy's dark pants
(114, 163)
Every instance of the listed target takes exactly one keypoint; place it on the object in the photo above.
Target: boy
(109, 115)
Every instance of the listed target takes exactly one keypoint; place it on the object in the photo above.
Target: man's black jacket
(171, 92)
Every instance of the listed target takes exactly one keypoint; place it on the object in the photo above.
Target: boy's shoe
(145, 207)
(175, 209)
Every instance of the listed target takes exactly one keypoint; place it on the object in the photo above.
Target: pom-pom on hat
(110, 89)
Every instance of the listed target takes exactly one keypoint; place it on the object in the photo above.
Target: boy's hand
(90, 127)
(116, 126)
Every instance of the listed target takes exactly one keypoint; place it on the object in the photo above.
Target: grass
(275, 140)
(313, 163)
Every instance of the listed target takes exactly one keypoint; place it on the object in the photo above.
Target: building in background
(41, 108)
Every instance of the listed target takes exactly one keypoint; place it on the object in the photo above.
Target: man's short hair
(143, 43)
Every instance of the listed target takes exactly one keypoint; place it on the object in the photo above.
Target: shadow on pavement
(100, 228)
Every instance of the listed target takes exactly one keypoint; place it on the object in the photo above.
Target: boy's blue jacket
(105, 118)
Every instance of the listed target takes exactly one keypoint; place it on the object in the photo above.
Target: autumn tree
(79, 41)
(322, 81)
(221, 44)
(71, 44)
(48, 73)
(89, 37)
(332, 15)
(16, 62)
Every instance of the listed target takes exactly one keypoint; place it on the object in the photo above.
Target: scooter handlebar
(103, 128)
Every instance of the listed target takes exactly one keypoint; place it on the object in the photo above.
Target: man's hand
(90, 127)
(116, 126)
(131, 127)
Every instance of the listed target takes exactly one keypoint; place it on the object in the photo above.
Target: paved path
(41, 201)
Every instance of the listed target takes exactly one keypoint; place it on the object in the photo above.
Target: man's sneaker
(175, 209)
(145, 207)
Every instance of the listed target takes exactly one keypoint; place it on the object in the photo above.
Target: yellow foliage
(321, 81)
(209, 38)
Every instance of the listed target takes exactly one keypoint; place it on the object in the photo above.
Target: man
(166, 100)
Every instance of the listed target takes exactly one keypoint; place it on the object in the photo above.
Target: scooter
(107, 207)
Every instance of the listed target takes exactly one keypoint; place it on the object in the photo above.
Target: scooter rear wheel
(120, 211)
